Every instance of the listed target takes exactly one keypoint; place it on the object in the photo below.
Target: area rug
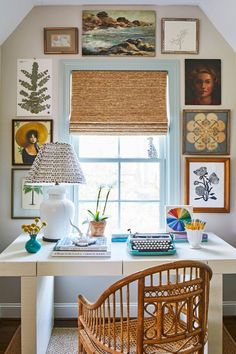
(63, 341)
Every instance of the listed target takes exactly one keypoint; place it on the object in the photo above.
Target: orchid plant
(99, 215)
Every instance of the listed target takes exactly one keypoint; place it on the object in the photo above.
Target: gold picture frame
(180, 35)
(60, 40)
(207, 184)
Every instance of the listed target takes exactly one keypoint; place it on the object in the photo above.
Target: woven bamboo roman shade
(118, 102)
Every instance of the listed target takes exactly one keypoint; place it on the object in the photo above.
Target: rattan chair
(170, 316)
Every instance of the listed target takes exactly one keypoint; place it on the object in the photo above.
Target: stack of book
(67, 246)
(182, 236)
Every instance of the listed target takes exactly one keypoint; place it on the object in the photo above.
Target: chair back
(174, 298)
(170, 316)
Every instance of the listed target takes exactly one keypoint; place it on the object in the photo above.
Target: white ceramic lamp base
(57, 211)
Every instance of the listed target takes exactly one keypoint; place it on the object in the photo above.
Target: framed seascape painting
(34, 87)
(61, 40)
(119, 33)
(27, 137)
(25, 200)
(206, 132)
(202, 81)
(207, 184)
(180, 35)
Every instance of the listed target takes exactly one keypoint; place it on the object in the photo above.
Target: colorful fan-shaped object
(176, 218)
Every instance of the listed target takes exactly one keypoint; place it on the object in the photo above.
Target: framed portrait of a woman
(27, 137)
(202, 81)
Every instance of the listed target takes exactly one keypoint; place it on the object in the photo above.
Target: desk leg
(36, 313)
(215, 322)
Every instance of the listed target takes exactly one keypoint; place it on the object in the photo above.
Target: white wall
(27, 42)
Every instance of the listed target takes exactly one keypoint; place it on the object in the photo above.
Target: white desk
(37, 278)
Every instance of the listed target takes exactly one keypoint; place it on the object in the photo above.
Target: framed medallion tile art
(206, 132)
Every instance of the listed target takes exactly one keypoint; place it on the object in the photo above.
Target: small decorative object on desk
(33, 245)
(97, 219)
(194, 232)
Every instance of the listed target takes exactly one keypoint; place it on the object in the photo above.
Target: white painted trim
(229, 308)
(10, 310)
(69, 310)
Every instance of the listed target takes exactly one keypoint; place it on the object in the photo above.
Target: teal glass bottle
(32, 245)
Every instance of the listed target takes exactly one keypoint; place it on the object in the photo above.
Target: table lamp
(56, 163)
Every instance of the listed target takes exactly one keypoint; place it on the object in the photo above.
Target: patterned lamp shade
(55, 163)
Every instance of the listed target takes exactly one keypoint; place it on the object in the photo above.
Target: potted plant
(97, 219)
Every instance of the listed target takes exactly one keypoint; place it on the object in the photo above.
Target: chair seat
(149, 325)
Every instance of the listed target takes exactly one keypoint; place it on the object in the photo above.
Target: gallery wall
(27, 42)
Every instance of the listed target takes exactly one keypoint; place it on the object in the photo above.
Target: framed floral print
(27, 137)
(180, 35)
(25, 200)
(206, 132)
(207, 184)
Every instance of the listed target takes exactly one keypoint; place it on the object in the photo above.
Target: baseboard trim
(70, 310)
(229, 308)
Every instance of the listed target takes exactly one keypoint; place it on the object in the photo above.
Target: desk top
(15, 261)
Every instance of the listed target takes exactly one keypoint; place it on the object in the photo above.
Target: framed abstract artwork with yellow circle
(206, 132)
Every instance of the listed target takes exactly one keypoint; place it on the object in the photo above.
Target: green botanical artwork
(34, 87)
(31, 202)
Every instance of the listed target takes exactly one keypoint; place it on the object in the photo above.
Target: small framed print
(25, 200)
(177, 216)
(207, 184)
(206, 132)
(27, 137)
(61, 40)
(180, 35)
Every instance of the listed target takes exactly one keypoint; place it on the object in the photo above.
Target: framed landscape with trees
(34, 87)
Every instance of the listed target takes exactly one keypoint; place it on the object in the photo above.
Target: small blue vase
(32, 245)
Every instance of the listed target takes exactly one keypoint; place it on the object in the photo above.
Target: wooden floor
(9, 326)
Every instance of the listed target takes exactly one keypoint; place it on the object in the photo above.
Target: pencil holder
(194, 238)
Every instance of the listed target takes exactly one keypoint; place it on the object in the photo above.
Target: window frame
(173, 137)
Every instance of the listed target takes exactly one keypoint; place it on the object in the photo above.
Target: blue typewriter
(151, 244)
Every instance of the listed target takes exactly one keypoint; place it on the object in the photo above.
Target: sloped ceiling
(221, 13)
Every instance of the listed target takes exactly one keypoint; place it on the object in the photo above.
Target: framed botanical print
(27, 137)
(207, 184)
(206, 132)
(61, 40)
(202, 81)
(34, 87)
(180, 35)
(25, 200)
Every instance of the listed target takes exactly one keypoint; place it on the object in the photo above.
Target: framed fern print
(25, 200)
(27, 137)
(34, 87)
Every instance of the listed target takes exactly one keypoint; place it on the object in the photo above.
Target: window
(135, 167)
(167, 163)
